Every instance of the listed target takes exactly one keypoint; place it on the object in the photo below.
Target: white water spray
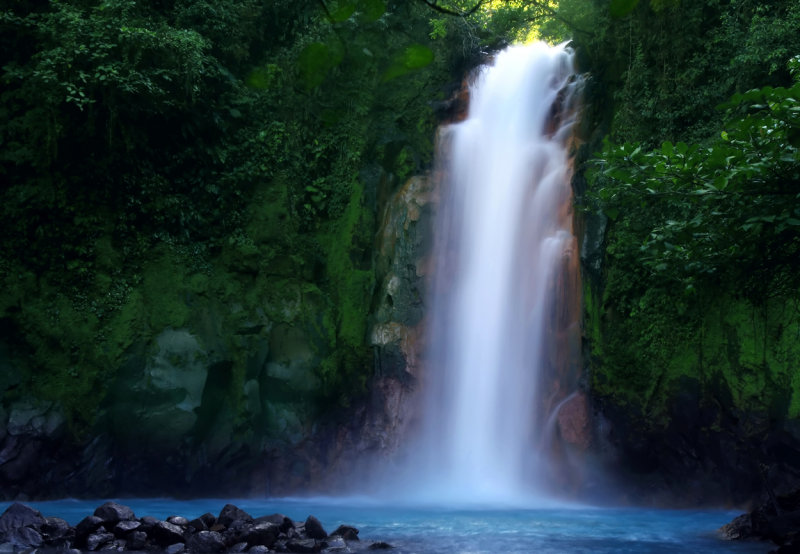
(504, 240)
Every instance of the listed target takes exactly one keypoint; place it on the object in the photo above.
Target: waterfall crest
(503, 299)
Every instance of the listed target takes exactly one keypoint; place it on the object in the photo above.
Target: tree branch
(434, 5)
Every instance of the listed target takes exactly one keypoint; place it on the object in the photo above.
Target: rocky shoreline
(114, 528)
(777, 520)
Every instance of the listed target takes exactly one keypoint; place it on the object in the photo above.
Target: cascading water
(503, 310)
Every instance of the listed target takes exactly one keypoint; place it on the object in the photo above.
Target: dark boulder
(56, 529)
(137, 540)
(176, 548)
(178, 520)
(281, 520)
(205, 541)
(231, 513)
(380, 545)
(96, 540)
(19, 515)
(738, 529)
(86, 527)
(198, 524)
(23, 537)
(259, 550)
(335, 544)
(111, 512)
(262, 533)
(314, 529)
(303, 545)
(123, 528)
(347, 532)
(165, 533)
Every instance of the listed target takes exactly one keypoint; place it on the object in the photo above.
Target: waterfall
(503, 299)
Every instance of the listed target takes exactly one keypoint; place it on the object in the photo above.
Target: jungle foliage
(697, 178)
(251, 144)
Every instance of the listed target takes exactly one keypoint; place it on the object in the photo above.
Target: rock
(335, 544)
(24, 537)
(380, 545)
(238, 547)
(137, 540)
(303, 545)
(258, 550)
(19, 515)
(205, 541)
(111, 512)
(126, 526)
(347, 532)
(281, 520)
(117, 545)
(176, 548)
(55, 528)
(573, 421)
(314, 528)
(86, 527)
(740, 528)
(178, 520)
(231, 513)
(198, 524)
(165, 533)
(262, 533)
(96, 540)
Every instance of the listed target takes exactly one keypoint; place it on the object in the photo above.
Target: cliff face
(215, 373)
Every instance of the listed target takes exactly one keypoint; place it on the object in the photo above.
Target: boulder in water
(314, 528)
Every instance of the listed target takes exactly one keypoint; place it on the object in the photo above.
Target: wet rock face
(397, 333)
(574, 422)
(115, 527)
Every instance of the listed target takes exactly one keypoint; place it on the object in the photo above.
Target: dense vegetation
(225, 152)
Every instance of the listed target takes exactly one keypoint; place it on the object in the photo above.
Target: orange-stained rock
(573, 422)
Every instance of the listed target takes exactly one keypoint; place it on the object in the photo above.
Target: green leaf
(315, 61)
(412, 58)
(343, 11)
(371, 10)
(621, 8)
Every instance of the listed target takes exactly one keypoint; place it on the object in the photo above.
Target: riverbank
(115, 527)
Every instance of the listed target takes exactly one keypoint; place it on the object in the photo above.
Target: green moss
(162, 288)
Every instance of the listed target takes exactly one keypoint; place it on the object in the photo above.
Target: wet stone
(335, 544)
(178, 520)
(347, 532)
(205, 541)
(19, 515)
(137, 540)
(165, 533)
(96, 540)
(55, 528)
(380, 546)
(124, 527)
(87, 526)
(258, 549)
(117, 545)
(314, 528)
(198, 524)
(24, 537)
(281, 520)
(263, 533)
(231, 513)
(111, 512)
(176, 548)
(303, 545)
